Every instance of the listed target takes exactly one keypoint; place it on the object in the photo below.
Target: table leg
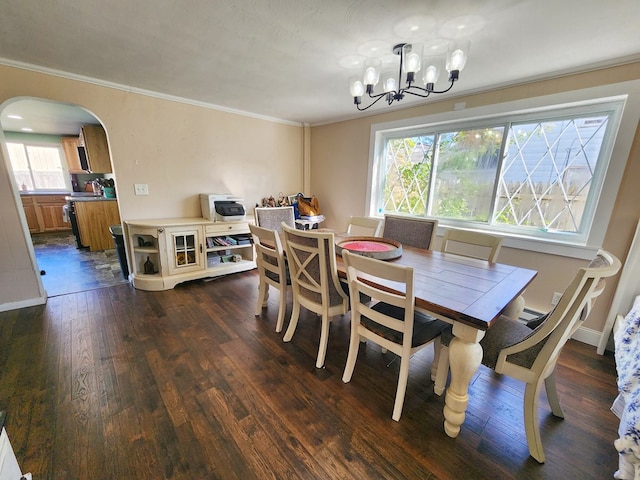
(465, 355)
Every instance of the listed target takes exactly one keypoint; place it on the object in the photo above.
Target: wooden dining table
(468, 293)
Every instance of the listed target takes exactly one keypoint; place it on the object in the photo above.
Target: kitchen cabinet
(94, 140)
(94, 219)
(44, 213)
(70, 148)
(166, 252)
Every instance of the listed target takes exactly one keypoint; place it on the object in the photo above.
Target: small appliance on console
(222, 207)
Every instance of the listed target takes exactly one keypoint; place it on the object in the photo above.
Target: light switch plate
(141, 188)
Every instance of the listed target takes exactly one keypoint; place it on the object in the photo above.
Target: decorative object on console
(411, 61)
(308, 206)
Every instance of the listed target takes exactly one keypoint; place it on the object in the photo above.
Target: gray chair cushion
(425, 328)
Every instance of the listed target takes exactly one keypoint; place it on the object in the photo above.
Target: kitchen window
(38, 167)
(534, 175)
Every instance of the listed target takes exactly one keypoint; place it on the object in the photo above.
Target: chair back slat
(467, 243)
(364, 226)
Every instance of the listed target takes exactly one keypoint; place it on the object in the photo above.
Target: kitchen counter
(88, 198)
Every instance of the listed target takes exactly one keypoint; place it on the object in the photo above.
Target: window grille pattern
(534, 176)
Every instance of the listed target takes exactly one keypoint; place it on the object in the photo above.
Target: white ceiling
(292, 59)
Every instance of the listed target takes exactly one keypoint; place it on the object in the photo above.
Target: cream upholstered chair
(471, 244)
(272, 217)
(516, 350)
(311, 257)
(364, 226)
(390, 321)
(272, 268)
(410, 231)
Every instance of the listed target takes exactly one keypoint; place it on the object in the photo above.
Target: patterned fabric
(413, 232)
(627, 356)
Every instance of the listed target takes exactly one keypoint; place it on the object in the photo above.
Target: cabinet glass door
(185, 250)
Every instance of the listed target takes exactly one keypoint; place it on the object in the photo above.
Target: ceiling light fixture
(411, 62)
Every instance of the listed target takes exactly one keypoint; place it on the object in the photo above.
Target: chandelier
(411, 62)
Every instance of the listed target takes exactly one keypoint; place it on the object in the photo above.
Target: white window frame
(626, 94)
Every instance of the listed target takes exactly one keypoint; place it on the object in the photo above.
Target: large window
(535, 174)
(37, 167)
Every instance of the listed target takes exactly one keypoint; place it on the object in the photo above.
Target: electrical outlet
(556, 298)
(141, 188)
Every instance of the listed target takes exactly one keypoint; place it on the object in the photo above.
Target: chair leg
(437, 347)
(293, 323)
(402, 388)
(531, 395)
(281, 310)
(443, 370)
(354, 346)
(324, 340)
(263, 296)
(552, 394)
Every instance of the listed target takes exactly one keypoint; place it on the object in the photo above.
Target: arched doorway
(42, 139)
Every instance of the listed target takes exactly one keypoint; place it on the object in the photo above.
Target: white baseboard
(5, 307)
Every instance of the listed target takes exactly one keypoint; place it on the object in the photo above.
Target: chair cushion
(425, 328)
(502, 334)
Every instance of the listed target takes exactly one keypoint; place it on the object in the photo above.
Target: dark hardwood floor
(116, 383)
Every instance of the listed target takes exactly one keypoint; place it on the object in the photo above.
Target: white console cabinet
(166, 252)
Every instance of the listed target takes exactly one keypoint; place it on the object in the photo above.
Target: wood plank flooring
(116, 383)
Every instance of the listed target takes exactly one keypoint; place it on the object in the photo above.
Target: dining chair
(272, 269)
(472, 244)
(483, 246)
(389, 319)
(512, 348)
(311, 257)
(272, 217)
(410, 231)
(364, 226)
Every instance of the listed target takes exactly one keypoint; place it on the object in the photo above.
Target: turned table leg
(465, 355)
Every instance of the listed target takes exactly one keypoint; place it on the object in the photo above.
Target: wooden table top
(458, 288)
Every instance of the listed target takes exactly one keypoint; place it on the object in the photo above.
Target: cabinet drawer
(57, 199)
(226, 228)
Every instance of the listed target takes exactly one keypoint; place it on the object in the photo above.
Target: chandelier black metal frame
(410, 63)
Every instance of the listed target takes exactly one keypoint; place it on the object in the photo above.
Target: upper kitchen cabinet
(70, 147)
(94, 140)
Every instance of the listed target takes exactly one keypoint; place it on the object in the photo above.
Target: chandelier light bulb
(413, 62)
(357, 87)
(371, 75)
(457, 56)
(431, 74)
(389, 84)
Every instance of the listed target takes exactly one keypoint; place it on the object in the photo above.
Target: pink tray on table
(374, 247)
